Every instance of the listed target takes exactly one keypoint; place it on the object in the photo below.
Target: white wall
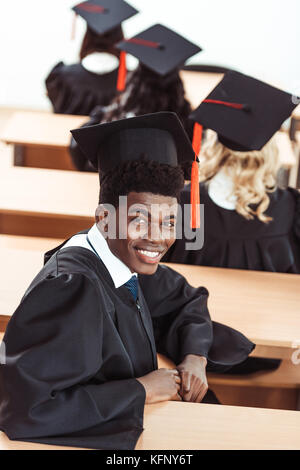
(257, 37)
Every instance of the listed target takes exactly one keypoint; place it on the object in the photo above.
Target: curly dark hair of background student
(147, 92)
(93, 42)
(140, 176)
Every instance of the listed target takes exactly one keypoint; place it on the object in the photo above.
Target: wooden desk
(264, 306)
(180, 426)
(41, 140)
(47, 203)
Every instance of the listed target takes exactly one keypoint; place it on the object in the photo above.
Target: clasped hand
(187, 382)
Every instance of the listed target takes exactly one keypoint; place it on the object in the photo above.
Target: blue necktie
(132, 286)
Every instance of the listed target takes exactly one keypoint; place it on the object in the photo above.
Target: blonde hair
(253, 173)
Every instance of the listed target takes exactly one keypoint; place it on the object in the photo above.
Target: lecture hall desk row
(264, 306)
(41, 140)
(193, 426)
(45, 203)
(260, 317)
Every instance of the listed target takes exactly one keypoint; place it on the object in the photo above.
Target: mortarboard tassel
(195, 192)
(121, 83)
(73, 29)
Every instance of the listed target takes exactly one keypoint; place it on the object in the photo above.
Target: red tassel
(121, 83)
(195, 192)
(195, 196)
(197, 138)
(73, 30)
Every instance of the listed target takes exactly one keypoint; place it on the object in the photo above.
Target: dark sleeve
(182, 323)
(53, 350)
(78, 157)
(179, 312)
(57, 91)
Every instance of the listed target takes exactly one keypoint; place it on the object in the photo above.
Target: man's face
(150, 222)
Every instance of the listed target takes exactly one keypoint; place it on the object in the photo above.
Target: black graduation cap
(104, 15)
(160, 49)
(245, 112)
(158, 136)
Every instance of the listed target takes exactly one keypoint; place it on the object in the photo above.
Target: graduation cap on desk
(159, 49)
(244, 112)
(159, 137)
(104, 15)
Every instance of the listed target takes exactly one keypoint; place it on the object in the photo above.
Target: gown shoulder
(74, 90)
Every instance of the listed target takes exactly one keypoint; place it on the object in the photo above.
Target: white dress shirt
(120, 273)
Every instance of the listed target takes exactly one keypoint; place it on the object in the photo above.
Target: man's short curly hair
(140, 176)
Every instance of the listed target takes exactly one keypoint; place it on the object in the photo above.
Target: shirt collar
(119, 272)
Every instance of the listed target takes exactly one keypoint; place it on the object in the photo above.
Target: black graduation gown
(76, 344)
(231, 241)
(74, 90)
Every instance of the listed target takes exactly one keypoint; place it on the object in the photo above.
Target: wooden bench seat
(286, 376)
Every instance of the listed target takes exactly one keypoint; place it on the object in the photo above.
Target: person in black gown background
(249, 222)
(81, 347)
(74, 89)
(155, 85)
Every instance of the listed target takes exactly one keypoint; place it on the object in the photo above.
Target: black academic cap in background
(159, 137)
(245, 112)
(160, 49)
(104, 15)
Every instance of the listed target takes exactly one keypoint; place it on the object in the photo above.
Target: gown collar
(118, 271)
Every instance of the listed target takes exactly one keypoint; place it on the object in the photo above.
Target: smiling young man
(81, 347)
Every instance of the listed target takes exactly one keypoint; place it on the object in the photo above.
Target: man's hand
(192, 371)
(161, 385)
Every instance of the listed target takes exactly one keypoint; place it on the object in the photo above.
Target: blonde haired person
(249, 222)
